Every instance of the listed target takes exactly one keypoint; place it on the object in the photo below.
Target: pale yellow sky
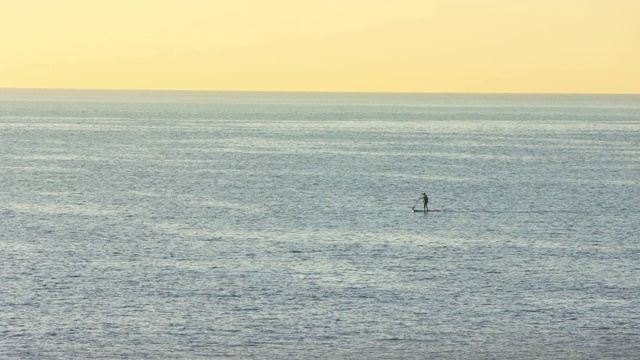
(525, 46)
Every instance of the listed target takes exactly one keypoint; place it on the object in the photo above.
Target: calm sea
(279, 225)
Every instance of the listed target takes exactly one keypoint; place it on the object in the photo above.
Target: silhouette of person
(425, 200)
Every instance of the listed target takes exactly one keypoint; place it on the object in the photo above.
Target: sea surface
(186, 225)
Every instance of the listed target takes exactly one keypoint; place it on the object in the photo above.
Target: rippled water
(279, 225)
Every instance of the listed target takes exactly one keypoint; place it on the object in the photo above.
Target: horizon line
(312, 91)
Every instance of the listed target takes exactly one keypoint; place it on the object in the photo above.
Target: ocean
(186, 225)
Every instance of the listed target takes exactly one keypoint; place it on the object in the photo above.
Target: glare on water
(186, 225)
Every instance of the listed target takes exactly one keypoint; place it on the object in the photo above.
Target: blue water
(279, 225)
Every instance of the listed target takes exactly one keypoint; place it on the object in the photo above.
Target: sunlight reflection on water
(280, 225)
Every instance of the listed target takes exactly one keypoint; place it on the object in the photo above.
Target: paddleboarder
(425, 200)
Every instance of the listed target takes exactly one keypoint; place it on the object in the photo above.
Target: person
(425, 200)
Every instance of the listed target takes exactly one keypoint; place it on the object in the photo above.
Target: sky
(486, 46)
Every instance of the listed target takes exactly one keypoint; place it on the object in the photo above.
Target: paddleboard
(420, 210)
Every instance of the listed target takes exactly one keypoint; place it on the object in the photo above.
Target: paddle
(414, 205)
